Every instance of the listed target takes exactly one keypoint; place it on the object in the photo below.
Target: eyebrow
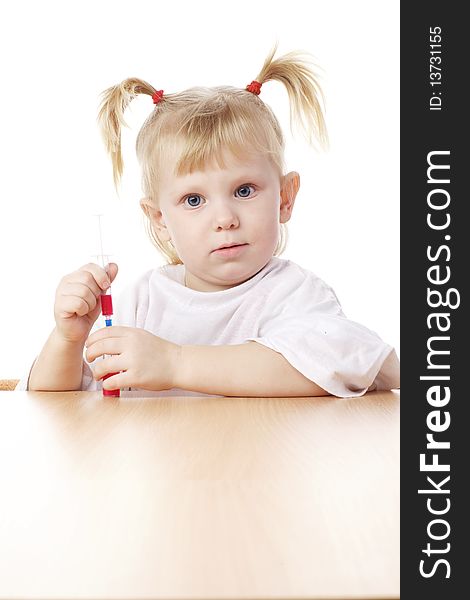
(243, 177)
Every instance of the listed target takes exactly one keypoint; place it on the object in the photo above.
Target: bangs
(204, 126)
(207, 138)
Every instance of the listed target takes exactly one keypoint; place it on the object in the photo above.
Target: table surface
(198, 497)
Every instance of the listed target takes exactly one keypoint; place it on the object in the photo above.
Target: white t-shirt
(283, 307)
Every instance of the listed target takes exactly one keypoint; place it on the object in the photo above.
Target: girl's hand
(146, 361)
(77, 304)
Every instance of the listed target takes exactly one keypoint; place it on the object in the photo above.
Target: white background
(56, 59)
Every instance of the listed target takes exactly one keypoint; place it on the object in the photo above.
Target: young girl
(225, 316)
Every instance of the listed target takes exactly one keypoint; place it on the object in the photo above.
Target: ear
(290, 185)
(155, 216)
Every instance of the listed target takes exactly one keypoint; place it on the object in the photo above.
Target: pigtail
(115, 101)
(305, 94)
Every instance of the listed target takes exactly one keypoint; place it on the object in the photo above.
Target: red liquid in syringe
(107, 312)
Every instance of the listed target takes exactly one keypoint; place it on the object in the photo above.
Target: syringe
(106, 301)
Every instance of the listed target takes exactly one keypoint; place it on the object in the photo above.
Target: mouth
(229, 250)
(226, 246)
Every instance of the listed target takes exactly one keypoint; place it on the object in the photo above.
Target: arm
(143, 360)
(249, 369)
(58, 366)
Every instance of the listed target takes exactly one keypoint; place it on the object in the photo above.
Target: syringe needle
(101, 241)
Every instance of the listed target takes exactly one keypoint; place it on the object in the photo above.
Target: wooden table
(198, 497)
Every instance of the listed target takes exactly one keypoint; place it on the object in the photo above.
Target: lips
(230, 252)
(224, 246)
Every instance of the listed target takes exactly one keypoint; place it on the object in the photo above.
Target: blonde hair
(205, 121)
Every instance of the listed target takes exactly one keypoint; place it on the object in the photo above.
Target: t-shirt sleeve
(23, 383)
(308, 327)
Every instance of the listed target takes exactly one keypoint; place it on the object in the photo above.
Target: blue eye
(245, 191)
(193, 201)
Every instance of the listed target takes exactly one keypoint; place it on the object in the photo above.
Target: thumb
(112, 270)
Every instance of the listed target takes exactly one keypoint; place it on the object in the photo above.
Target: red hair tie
(157, 96)
(254, 87)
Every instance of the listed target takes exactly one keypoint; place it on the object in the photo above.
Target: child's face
(242, 204)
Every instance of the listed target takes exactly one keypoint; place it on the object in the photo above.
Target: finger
(112, 270)
(110, 364)
(82, 291)
(94, 276)
(115, 331)
(117, 382)
(83, 278)
(108, 346)
(72, 305)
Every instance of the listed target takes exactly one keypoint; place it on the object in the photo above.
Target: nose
(225, 217)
